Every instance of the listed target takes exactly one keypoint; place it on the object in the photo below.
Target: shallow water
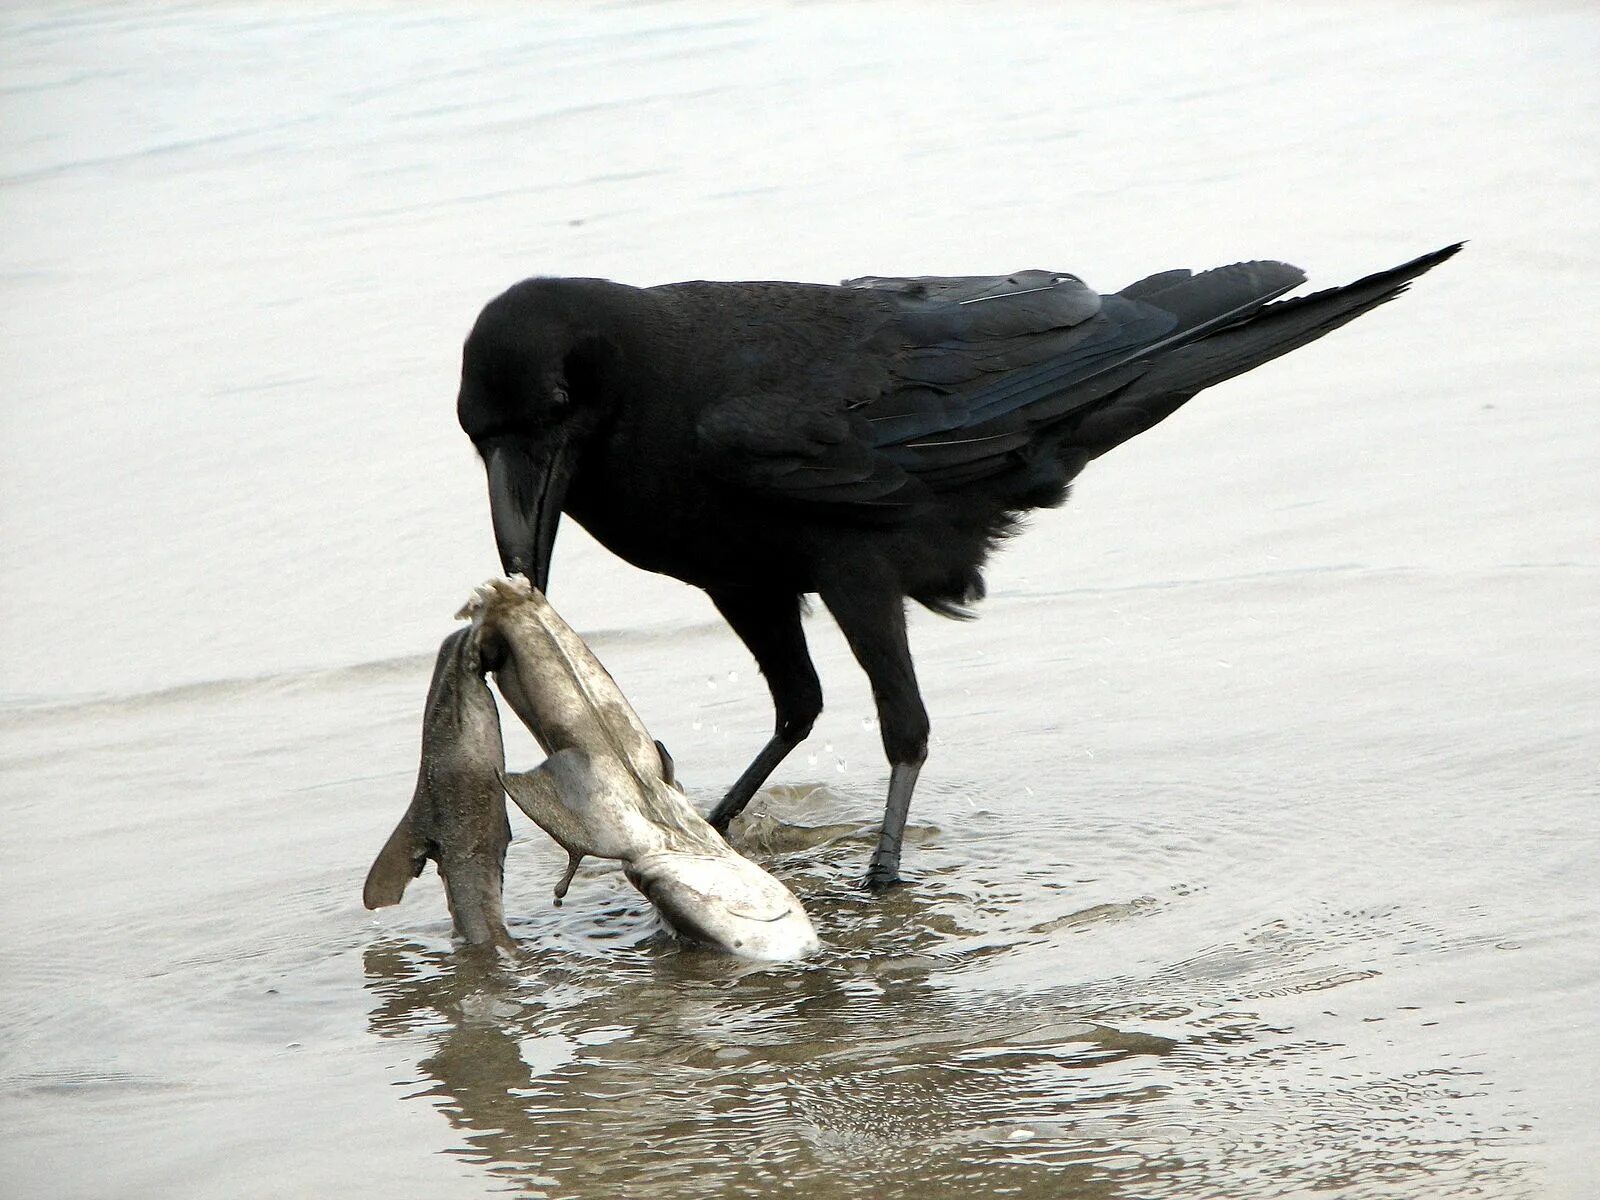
(1255, 855)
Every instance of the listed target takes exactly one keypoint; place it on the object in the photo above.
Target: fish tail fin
(399, 862)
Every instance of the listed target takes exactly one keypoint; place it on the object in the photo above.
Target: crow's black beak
(527, 484)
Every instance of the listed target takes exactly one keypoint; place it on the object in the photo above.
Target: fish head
(460, 824)
(472, 861)
(726, 902)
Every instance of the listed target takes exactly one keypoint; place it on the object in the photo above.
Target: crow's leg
(873, 620)
(769, 624)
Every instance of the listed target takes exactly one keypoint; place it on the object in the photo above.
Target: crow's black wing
(808, 450)
(967, 399)
(934, 381)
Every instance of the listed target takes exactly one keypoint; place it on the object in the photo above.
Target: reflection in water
(717, 1083)
(573, 1072)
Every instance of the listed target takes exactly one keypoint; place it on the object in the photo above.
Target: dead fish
(607, 790)
(457, 816)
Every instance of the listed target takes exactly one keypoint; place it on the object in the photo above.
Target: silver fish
(457, 815)
(607, 789)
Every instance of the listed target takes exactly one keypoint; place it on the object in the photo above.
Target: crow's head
(534, 391)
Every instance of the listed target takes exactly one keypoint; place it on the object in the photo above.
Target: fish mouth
(527, 487)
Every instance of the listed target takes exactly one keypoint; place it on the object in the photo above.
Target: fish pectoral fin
(590, 809)
(555, 795)
(542, 794)
(399, 862)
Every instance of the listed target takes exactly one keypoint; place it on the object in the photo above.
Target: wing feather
(937, 381)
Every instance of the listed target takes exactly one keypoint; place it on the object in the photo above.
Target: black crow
(867, 443)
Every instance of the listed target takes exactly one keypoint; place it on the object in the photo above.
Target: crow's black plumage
(867, 442)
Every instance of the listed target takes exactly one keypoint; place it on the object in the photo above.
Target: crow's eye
(559, 397)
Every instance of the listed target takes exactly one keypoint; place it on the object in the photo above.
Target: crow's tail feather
(1272, 330)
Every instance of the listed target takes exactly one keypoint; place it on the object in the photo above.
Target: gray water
(1256, 852)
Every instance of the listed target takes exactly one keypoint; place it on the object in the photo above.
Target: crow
(866, 443)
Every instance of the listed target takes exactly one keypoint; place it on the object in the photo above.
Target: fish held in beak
(457, 815)
(607, 790)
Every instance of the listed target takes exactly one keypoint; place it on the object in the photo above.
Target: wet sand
(1255, 855)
